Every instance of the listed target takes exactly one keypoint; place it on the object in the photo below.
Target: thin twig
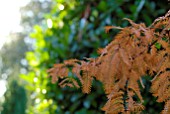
(140, 79)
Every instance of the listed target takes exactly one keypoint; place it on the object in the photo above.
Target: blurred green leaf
(158, 45)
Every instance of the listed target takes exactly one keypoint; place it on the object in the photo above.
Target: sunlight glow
(10, 18)
(3, 87)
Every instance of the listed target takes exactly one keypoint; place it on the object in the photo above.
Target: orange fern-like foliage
(135, 51)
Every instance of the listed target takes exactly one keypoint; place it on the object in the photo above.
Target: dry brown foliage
(135, 51)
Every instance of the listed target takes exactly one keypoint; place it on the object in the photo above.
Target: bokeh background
(41, 33)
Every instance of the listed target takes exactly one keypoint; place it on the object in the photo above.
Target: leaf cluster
(135, 51)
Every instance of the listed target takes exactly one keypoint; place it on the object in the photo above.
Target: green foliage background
(77, 32)
(17, 105)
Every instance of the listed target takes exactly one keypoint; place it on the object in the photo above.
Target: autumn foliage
(135, 51)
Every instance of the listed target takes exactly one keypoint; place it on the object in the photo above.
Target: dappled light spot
(49, 23)
(44, 91)
(37, 100)
(61, 7)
